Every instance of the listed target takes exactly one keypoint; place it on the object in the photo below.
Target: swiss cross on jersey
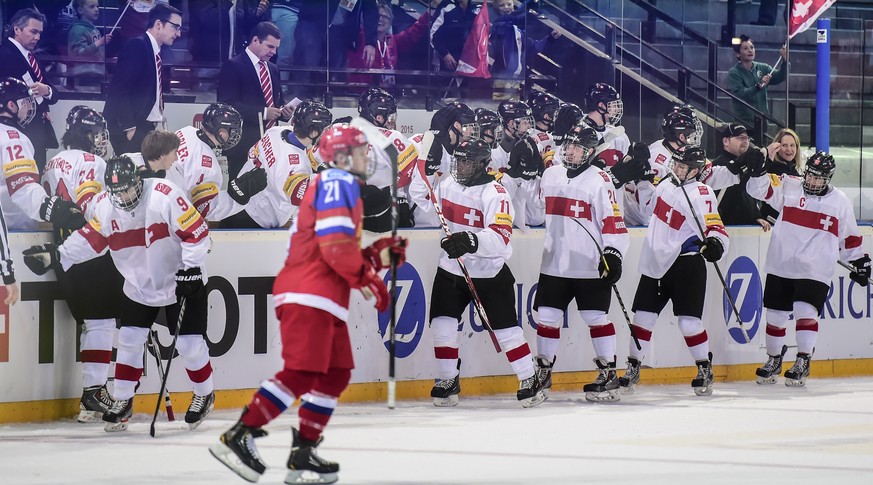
(463, 215)
(563, 206)
(668, 215)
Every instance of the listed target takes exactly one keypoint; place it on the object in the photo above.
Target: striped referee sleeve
(5, 252)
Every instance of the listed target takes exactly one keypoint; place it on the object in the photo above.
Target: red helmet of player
(345, 147)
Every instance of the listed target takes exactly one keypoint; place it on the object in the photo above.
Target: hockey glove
(861, 275)
(188, 281)
(243, 187)
(372, 286)
(712, 249)
(63, 214)
(525, 160)
(434, 158)
(628, 170)
(610, 266)
(753, 162)
(44, 257)
(460, 243)
(379, 253)
(639, 152)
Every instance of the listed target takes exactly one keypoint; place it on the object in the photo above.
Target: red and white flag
(804, 13)
(474, 57)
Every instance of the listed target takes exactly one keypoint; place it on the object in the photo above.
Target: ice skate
(606, 387)
(769, 372)
(95, 401)
(445, 392)
(305, 466)
(530, 392)
(702, 384)
(544, 373)
(117, 416)
(631, 376)
(797, 374)
(200, 407)
(237, 450)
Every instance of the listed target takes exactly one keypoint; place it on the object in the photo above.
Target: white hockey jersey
(587, 199)
(76, 176)
(424, 213)
(545, 145)
(21, 194)
(288, 173)
(201, 177)
(812, 232)
(616, 149)
(407, 155)
(162, 235)
(671, 225)
(499, 160)
(485, 210)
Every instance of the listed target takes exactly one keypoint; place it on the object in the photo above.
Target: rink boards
(40, 377)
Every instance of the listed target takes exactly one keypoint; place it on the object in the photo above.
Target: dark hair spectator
(748, 80)
(84, 41)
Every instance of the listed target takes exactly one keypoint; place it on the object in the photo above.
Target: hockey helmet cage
(678, 123)
(470, 160)
(489, 126)
(578, 147)
(15, 90)
(820, 168)
(691, 157)
(83, 121)
(123, 183)
(220, 115)
(444, 120)
(543, 104)
(567, 116)
(612, 109)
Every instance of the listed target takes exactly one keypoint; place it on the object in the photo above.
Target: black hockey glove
(639, 152)
(434, 158)
(244, 186)
(525, 160)
(610, 266)
(188, 281)
(861, 275)
(752, 162)
(63, 214)
(712, 249)
(460, 243)
(628, 170)
(44, 257)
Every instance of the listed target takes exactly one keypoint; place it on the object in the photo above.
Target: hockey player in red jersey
(582, 255)
(479, 215)
(815, 229)
(311, 294)
(158, 242)
(673, 265)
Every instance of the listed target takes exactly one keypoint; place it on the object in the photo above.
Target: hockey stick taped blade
(373, 134)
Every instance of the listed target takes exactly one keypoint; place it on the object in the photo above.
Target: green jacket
(80, 41)
(743, 84)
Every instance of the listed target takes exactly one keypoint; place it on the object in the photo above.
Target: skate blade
(613, 395)
(90, 417)
(446, 402)
(114, 427)
(307, 476)
(194, 425)
(767, 380)
(703, 391)
(226, 456)
(795, 382)
(630, 389)
(536, 400)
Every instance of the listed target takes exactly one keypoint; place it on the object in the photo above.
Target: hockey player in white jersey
(605, 109)
(544, 107)
(815, 229)
(582, 258)
(522, 157)
(159, 244)
(92, 289)
(23, 199)
(451, 125)
(490, 128)
(479, 214)
(673, 264)
(282, 152)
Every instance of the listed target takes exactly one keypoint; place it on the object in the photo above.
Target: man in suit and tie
(135, 102)
(251, 84)
(17, 60)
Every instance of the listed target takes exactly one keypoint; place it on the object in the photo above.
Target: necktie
(35, 67)
(267, 88)
(158, 66)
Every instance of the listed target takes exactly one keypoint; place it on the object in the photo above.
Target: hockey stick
(608, 138)
(614, 286)
(377, 138)
(727, 292)
(156, 350)
(182, 303)
(425, 149)
(851, 268)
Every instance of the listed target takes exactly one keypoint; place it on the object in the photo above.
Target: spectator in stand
(783, 158)
(285, 14)
(749, 80)
(454, 20)
(735, 205)
(213, 30)
(508, 41)
(767, 12)
(84, 41)
(388, 48)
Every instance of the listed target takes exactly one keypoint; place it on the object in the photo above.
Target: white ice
(743, 433)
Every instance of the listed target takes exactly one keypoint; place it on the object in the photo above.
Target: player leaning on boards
(815, 228)
(311, 294)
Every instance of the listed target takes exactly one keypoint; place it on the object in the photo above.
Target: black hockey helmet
(820, 168)
(310, 116)
(443, 123)
(218, 116)
(489, 126)
(123, 182)
(578, 147)
(612, 108)
(678, 123)
(690, 156)
(469, 160)
(517, 118)
(15, 90)
(86, 130)
(377, 102)
(543, 106)
(567, 116)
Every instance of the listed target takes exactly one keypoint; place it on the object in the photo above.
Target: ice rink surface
(744, 433)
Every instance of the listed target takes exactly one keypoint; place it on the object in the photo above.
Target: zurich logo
(411, 311)
(744, 283)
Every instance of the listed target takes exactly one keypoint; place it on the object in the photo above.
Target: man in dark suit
(251, 84)
(17, 60)
(135, 104)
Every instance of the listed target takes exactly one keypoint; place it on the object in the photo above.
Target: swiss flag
(474, 57)
(804, 13)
